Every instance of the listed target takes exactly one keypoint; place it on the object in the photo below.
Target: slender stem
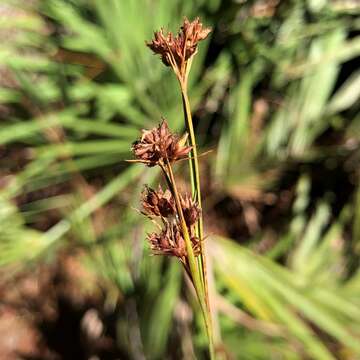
(196, 192)
(194, 270)
(195, 181)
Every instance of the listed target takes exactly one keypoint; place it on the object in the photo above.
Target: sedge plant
(178, 216)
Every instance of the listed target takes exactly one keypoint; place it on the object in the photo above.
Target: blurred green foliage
(275, 91)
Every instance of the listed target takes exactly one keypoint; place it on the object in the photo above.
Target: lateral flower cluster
(170, 241)
(160, 146)
(175, 51)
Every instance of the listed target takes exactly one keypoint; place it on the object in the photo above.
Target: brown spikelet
(192, 33)
(176, 50)
(190, 209)
(171, 242)
(158, 203)
(160, 145)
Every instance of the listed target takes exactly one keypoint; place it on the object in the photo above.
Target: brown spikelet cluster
(170, 240)
(175, 51)
(158, 203)
(190, 209)
(159, 145)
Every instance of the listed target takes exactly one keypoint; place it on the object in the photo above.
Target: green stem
(194, 270)
(196, 191)
(195, 182)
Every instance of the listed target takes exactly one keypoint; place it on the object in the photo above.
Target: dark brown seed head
(158, 203)
(159, 145)
(176, 50)
(160, 243)
(190, 209)
(162, 45)
(153, 144)
(192, 33)
(168, 242)
(171, 242)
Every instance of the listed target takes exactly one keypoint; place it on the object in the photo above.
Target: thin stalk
(195, 182)
(194, 270)
(196, 192)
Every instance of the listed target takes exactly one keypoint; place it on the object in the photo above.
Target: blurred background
(275, 95)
